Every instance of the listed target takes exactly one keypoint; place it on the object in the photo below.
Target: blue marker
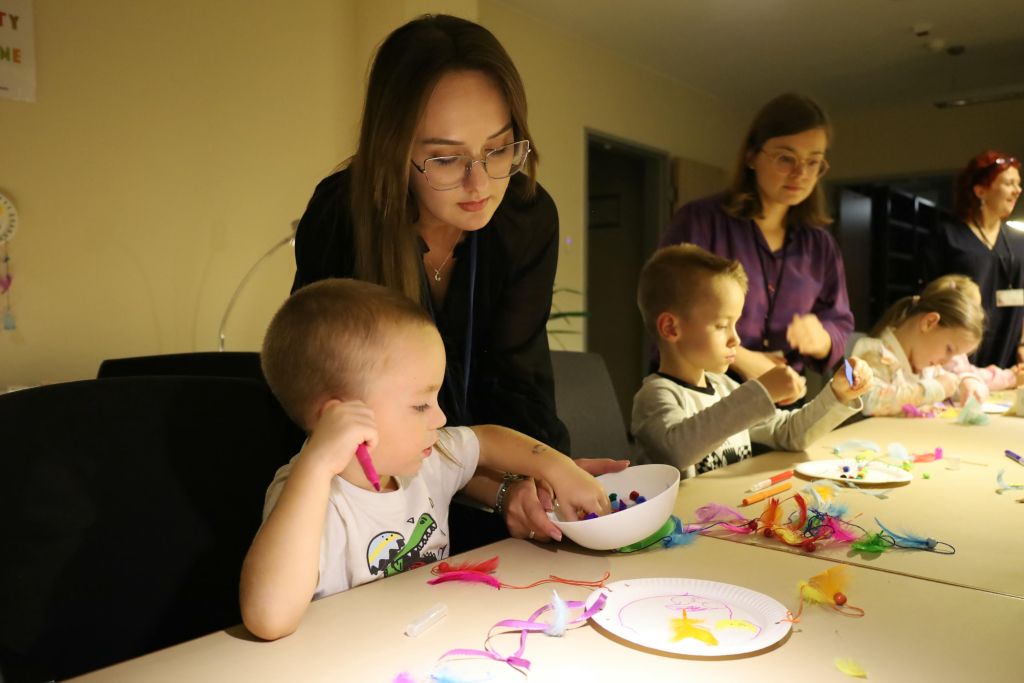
(1013, 456)
(849, 371)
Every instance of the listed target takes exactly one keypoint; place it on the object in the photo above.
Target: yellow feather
(851, 668)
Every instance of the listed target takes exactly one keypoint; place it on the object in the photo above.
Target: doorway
(628, 204)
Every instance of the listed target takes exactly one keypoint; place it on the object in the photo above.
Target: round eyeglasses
(447, 173)
(791, 164)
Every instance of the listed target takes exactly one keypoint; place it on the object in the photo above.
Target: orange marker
(767, 493)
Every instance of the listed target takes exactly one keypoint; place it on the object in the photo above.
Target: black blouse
(956, 249)
(510, 377)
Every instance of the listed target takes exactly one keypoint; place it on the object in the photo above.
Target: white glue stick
(428, 619)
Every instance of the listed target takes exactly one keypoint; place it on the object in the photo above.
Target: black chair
(200, 363)
(585, 401)
(126, 508)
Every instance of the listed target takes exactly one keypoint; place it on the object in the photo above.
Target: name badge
(1009, 297)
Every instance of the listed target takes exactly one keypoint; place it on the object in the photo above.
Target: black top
(511, 381)
(956, 249)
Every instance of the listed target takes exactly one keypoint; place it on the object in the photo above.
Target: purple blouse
(808, 273)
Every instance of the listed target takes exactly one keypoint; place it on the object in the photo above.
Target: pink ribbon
(526, 627)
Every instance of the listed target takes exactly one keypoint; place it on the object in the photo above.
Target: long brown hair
(956, 307)
(407, 67)
(981, 170)
(787, 114)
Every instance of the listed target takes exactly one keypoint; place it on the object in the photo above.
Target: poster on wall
(17, 51)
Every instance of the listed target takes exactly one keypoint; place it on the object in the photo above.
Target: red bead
(767, 533)
(840, 599)
(752, 525)
(809, 545)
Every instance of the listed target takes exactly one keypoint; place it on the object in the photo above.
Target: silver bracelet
(506, 484)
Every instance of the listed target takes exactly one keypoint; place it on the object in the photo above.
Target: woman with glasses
(441, 202)
(770, 219)
(981, 246)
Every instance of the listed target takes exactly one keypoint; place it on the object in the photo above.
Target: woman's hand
(807, 335)
(752, 364)
(528, 502)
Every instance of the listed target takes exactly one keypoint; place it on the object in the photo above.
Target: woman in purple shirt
(770, 220)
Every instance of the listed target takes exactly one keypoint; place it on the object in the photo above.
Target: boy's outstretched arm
(282, 567)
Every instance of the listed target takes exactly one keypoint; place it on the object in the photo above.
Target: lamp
(289, 240)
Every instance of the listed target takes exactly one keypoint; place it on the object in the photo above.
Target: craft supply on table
(767, 493)
(765, 483)
(426, 620)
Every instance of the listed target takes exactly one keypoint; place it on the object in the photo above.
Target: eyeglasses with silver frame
(788, 163)
(447, 173)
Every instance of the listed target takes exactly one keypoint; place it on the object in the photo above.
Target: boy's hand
(807, 335)
(863, 377)
(783, 384)
(340, 428)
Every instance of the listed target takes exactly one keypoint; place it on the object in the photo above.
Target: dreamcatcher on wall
(8, 225)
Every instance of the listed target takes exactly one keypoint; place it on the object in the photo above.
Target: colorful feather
(908, 540)
(972, 413)
(559, 616)
(851, 668)
(839, 534)
(823, 587)
(724, 516)
(1003, 486)
(855, 445)
(469, 576)
(871, 543)
(487, 566)
(770, 517)
(679, 535)
(898, 452)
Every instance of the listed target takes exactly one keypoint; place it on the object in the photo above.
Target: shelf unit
(899, 226)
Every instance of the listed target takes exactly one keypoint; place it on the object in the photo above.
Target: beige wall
(894, 141)
(574, 86)
(171, 144)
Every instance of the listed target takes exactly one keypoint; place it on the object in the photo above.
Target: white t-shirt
(369, 535)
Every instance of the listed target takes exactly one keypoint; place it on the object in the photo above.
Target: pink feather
(716, 512)
(487, 566)
(839, 534)
(466, 575)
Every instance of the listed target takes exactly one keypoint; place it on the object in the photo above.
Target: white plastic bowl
(659, 484)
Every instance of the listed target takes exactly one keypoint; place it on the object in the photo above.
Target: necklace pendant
(437, 275)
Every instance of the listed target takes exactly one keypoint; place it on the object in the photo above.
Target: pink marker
(363, 456)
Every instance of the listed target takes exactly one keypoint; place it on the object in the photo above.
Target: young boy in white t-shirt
(691, 415)
(353, 363)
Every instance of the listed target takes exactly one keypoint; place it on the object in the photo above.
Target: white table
(959, 506)
(913, 630)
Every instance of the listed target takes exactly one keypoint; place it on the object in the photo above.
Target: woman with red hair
(981, 246)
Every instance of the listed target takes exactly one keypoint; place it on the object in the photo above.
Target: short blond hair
(673, 278)
(328, 338)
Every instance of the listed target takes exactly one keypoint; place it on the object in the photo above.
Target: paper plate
(877, 472)
(720, 619)
(995, 408)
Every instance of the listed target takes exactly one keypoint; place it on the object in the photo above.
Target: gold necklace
(437, 271)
